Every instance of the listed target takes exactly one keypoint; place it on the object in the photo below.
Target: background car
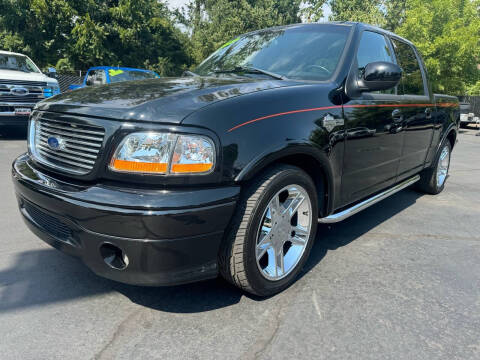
(101, 75)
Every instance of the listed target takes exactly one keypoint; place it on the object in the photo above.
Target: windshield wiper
(189, 73)
(249, 70)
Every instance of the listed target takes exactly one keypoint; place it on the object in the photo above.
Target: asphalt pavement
(400, 280)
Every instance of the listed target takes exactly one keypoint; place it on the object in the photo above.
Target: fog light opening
(114, 256)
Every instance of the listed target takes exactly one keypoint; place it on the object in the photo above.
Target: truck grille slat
(23, 82)
(65, 153)
(76, 146)
(61, 159)
(57, 125)
(21, 99)
(95, 151)
(93, 146)
(47, 130)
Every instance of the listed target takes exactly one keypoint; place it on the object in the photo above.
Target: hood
(167, 100)
(24, 76)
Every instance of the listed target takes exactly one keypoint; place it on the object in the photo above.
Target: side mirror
(89, 82)
(380, 75)
(52, 72)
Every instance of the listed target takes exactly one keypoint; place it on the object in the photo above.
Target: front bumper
(168, 236)
(13, 120)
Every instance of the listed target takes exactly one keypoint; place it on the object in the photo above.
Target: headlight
(164, 153)
(51, 90)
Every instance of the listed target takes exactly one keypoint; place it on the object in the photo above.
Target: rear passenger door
(373, 123)
(417, 112)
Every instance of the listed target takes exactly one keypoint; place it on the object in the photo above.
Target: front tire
(272, 232)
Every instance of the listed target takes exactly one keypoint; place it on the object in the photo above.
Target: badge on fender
(329, 122)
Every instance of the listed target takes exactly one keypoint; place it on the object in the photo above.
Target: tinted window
(373, 47)
(129, 75)
(303, 52)
(412, 81)
(96, 77)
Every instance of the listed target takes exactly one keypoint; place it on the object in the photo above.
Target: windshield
(129, 75)
(302, 52)
(18, 63)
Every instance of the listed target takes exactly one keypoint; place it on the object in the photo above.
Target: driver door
(374, 138)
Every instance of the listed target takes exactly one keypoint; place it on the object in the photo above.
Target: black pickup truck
(228, 169)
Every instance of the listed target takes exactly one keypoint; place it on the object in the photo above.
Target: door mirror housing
(379, 75)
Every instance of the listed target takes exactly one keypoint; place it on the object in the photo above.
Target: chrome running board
(342, 215)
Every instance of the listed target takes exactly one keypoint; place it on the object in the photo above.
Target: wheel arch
(452, 136)
(309, 159)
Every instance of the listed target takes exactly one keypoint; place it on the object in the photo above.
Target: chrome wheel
(283, 232)
(443, 165)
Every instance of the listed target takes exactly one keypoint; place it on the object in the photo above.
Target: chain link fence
(65, 79)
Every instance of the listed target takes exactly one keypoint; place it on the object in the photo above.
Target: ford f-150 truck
(22, 85)
(229, 170)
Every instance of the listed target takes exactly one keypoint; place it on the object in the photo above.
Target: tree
(312, 10)
(82, 33)
(367, 11)
(445, 31)
(447, 34)
(211, 23)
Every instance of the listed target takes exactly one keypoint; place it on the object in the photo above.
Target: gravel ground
(400, 280)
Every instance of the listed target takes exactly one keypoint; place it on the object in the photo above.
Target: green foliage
(76, 34)
(94, 32)
(64, 65)
(447, 33)
(312, 10)
(367, 11)
(474, 90)
(214, 22)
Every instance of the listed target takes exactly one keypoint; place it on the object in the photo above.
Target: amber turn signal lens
(143, 167)
(191, 168)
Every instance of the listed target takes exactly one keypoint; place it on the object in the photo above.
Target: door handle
(397, 116)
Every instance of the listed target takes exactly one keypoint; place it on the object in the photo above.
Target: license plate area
(23, 111)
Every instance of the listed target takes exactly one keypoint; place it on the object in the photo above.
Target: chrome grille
(32, 94)
(23, 82)
(77, 147)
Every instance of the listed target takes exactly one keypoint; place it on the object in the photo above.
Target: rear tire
(433, 179)
(272, 232)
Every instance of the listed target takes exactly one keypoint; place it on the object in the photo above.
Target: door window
(373, 47)
(412, 80)
(96, 77)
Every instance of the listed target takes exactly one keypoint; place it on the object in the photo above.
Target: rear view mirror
(380, 75)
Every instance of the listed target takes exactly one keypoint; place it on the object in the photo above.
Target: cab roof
(358, 25)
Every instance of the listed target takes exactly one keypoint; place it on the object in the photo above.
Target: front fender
(303, 155)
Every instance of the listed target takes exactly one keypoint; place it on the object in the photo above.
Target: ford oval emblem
(19, 91)
(56, 143)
